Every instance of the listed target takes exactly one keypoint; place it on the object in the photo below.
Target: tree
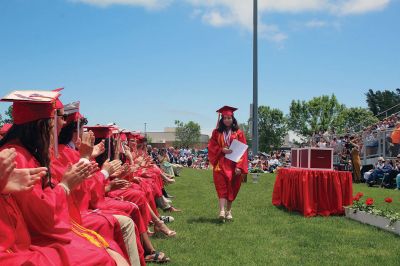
(272, 128)
(187, 134)
(318, 114)
(354, 120)
(380, 101)
(8, 117)
(246, 131)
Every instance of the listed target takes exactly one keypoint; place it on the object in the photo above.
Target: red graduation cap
(129, 136)
(72, 112)
(29, 106)
(59, 104)
(140, 139)
(101, 132)
(123, 136)
(73, 117)
(226, 110)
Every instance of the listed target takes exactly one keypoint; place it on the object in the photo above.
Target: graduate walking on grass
(227, 174)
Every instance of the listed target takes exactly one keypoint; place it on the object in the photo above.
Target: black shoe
(165, 194)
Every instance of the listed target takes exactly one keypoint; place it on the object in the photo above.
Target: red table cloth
(313, 192)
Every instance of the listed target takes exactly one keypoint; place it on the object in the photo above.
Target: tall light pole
(254, 138)
(145, 130)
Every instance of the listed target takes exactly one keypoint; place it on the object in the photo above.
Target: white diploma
(238, 149)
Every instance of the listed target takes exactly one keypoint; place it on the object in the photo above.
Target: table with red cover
(313, 192)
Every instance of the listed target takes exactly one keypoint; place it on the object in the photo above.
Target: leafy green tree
(246, 130)
(380, 101)
(316, 115)
(8, 117)
(272, 128)
(354, 120)
(187, 135)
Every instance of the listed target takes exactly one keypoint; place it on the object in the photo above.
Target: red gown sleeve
(3, 183)
(45, 210)
(214, 149)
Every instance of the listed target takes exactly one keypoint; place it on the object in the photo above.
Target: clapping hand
(112, 167)
(119, 184)
(21, 180)
(98, 149)
(76, 174)
(87, 144)
(122, 172)
(7, 163)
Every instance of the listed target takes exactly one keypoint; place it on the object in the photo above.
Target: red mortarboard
(227, 110)
(73, 117)
(72, 112)
(4, 129)
(129, 135)
(59, 104)
(101, 132)
(29, 106)
(123, 136)
(140, 139)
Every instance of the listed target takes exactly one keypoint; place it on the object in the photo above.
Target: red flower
(356, 198)
(369, 201)
(389, 200)
(359, 195)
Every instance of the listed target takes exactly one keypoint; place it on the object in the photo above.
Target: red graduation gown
(90, 195)
(226, 182)
(104, 224)
(15, 242)
(45, 212)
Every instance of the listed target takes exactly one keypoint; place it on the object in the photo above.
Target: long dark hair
(221, 126)
(67, 132)
(35, 137)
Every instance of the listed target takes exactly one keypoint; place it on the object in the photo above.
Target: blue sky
(155, 61)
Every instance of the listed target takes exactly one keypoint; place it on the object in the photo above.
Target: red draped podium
(313, 192)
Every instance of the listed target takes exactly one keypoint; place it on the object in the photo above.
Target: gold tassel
(90, 235)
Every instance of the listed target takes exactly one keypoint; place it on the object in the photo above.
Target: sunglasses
(63, 117)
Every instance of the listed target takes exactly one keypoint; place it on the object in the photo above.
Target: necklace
(227, 137)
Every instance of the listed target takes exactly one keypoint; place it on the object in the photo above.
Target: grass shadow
(294, 213)
(204, 220)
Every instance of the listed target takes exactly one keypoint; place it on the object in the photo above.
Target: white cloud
(239, 13)
(217, 19)
(316, 23)
(362, 6)
(149, 4)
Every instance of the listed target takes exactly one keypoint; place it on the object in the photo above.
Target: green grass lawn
(262, 234)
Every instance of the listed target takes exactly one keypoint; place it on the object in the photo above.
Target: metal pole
(255, 80)
(145, 130)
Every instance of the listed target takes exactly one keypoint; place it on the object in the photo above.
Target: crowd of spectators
(185, 157)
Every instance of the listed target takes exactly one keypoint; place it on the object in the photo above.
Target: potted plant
(365, 212)
(255, 174)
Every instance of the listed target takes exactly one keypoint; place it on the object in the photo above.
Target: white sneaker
(167, 219)
(229, 215)
(221, 215)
